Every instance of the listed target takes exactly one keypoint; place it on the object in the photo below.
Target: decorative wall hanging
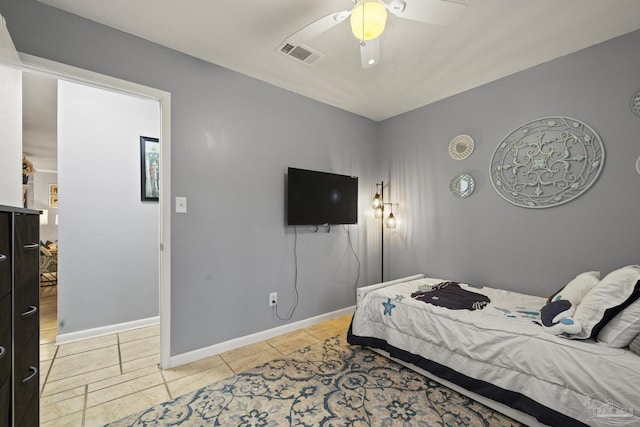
(547, 162)
(462, 185)
(635, 103)
(638, 165)
(461, 147)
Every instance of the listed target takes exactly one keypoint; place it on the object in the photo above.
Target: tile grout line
(273, 347)
(86, 400)
(166, 385)
(53, 359)
(227, 364)
(119, 354)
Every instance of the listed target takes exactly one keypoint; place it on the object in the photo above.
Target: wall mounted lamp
(378, 204)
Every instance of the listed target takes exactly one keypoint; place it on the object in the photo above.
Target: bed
(491, 346)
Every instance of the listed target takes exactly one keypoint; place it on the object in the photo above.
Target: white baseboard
(106, 330)
(201, 353)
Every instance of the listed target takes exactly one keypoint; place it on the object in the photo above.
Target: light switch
(181, 205)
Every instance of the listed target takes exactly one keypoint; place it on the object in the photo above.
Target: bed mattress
(497, 349)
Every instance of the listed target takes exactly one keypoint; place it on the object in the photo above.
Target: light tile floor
(95, 381)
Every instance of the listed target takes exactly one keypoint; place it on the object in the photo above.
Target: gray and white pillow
(617, 291)
(623, 328)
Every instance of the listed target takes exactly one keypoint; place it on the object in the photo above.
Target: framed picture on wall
(149, 168)
(53, 195)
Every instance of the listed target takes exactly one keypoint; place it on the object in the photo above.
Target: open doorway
(71, 77)
(96, 199)
(39, 150)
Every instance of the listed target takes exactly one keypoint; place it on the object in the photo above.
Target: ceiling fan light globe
(368, 20)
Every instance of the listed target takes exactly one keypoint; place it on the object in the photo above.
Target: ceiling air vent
(299, 53)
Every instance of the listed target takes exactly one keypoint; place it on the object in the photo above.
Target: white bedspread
(501, 344)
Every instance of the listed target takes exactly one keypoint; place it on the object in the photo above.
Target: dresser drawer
(26, 378)
(26, 315)
(5, 360)
(31, 417)
(5, 403)
(5, 338)
(26, 251)
(5, 253)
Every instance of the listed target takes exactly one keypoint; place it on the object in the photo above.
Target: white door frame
(93, 79)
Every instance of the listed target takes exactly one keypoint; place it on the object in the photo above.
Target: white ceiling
(420, 63)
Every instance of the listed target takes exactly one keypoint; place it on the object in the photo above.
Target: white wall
(108, 238)
(10, 122)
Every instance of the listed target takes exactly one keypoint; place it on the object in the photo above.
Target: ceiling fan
(368, 19)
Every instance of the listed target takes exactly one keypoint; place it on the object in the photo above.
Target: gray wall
(232, 140)
(484, 239)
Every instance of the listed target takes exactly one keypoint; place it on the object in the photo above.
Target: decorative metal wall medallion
(547, 162)
(461, 147)
(635, 103)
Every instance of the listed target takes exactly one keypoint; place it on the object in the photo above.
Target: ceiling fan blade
(370, 52)
(318, 27)
(438, 12)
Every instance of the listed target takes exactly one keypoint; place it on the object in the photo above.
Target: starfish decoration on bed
(388, 306)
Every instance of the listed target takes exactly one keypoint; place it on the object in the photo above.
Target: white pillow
(614, 293)
(623, 328)
(578, 288)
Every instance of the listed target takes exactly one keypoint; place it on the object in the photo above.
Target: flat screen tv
(315, 198)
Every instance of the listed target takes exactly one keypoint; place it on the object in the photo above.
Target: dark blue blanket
(452, 296)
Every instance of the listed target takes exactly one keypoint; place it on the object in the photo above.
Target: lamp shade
(391, 221)
(378, 212)
(368, 20)
(377, 201)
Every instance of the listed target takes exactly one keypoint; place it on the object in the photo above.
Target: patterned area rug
(330, 384)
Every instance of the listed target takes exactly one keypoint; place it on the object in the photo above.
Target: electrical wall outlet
(273, 299)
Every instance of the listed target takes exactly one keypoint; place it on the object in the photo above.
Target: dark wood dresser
(19, 316)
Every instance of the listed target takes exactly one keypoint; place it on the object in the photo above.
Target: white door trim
(90, 78)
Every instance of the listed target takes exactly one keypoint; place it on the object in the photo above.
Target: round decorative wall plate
(635, 103)
(462, 185)
(638, 165)
(546, 162)
(461, 147)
